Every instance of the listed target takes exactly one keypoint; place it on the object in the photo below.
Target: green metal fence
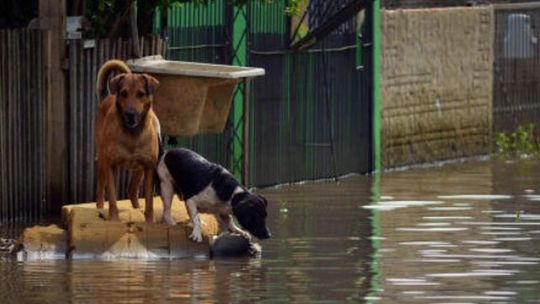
(310, 116)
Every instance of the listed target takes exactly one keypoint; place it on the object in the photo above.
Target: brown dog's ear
(151, 84)
(116, 83)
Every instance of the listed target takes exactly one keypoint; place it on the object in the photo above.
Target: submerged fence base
(86, 235)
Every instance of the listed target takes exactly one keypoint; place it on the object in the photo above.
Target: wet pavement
(461, 233)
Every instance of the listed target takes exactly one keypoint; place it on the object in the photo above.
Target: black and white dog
(209, 188)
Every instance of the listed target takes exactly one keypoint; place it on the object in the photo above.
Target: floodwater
(465, 233)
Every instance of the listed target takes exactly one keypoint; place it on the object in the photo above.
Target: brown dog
(127, 135)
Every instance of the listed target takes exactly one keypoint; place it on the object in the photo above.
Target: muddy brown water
(465, 233)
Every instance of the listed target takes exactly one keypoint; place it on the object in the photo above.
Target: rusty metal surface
(23, 120)
(22, 126)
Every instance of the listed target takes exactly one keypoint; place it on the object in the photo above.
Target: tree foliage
(15, 13)
(109, 18)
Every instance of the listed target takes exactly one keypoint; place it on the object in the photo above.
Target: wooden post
(134, 30)
(52, 18)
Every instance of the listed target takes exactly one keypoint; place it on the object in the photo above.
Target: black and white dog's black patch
(209, 188)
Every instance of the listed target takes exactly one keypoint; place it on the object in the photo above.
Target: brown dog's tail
(105, 73)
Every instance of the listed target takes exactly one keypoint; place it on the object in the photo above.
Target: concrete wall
(437, 69)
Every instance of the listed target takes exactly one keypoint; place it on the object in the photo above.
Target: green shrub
(521, 142)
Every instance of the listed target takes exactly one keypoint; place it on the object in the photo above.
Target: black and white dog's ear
(238, 198)
(263, 200)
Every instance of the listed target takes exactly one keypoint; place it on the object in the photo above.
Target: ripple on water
(527, 217)
(476, 197)
(423, 243)
(491, 250)
(474, 273)
(411, 282)
(433, 229)
(450, 208)
(391, 205)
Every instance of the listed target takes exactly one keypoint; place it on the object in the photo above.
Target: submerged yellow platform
(85, 234)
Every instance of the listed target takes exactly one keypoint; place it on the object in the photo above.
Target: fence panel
(516, 96)
(304, 99)
(199, 32)
(22, 126)
(84, 63)
(290, 113)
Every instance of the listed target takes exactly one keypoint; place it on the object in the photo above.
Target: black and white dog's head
(250, 211)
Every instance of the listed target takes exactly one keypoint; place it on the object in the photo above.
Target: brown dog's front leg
(111, 187)
(149, 195)
(134, 185)
(100, 187)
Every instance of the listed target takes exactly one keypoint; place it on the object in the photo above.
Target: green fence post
(376, 186)
(239, 59)
(376, 27)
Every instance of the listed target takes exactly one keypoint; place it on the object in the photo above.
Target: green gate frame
(240, 141)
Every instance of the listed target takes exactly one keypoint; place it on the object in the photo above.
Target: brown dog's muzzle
(132, 118)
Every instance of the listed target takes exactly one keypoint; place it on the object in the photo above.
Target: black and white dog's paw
(196, 235)
(244, 233)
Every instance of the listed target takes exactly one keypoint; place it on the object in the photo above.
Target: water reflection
(461, 233)
(479, 245)
(320, 251)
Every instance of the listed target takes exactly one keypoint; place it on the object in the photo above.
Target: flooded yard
(461, 233)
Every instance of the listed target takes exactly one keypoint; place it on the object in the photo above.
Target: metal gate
(311, 113)
(309, 117)
(516, 98)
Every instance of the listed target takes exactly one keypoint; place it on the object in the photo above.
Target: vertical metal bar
(22, 89)
(9, 125)
(3, 98)
(31, 140)
(21, 103)
(376, 74)
(82, 123)
(43, 36)
(72, 136)
(29, 123)
(245, 139)
(239, 59)
(16, 132)
(326, 96)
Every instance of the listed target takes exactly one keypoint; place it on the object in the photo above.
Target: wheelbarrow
(193, 98)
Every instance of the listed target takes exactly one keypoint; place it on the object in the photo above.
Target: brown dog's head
(134, 96)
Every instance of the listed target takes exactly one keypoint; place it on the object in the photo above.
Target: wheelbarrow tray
(193, 98)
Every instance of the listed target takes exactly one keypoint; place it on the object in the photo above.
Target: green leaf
(101, 5)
